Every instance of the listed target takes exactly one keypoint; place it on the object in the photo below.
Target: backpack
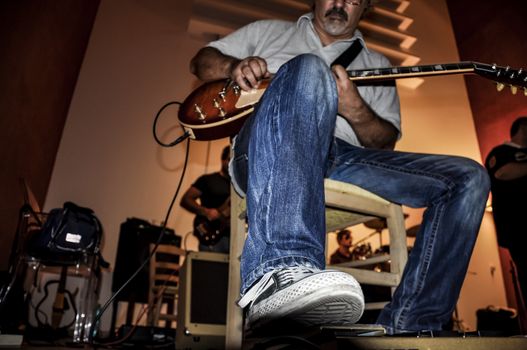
(68, 233)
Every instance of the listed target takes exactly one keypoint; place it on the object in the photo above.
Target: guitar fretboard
(410, 71)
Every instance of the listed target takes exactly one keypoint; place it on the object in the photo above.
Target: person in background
(209, 199)
(342, 254)
(507, 167)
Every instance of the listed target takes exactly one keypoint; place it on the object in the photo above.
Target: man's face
(338, 18)
(346, 240)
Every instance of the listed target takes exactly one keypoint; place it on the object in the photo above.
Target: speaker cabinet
(202, 303)
(133, 249)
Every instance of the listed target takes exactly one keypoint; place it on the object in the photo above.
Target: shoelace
(283, 277)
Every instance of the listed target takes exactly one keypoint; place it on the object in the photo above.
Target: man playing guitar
(211, 225)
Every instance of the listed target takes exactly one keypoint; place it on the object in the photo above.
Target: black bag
(68, 233)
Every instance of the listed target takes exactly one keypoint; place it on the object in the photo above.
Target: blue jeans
(287, 148)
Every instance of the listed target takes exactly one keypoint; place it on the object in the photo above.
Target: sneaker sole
(326, 298)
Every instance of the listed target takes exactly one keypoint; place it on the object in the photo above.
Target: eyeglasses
(353, 2)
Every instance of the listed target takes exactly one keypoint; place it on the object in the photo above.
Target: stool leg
(234, 326)
(398, 248)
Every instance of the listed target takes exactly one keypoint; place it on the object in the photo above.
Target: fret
(410, 71)
(385, 71)
(451, 66)
(427, 68)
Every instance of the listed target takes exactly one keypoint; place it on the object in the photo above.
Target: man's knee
(476, 176)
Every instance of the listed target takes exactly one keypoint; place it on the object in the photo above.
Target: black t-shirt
(337, 257)
(509, 197)
(214, 188)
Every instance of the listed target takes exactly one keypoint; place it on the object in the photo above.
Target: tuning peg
(500, 86)
(514, 89)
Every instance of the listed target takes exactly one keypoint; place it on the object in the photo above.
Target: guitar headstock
(503, 76)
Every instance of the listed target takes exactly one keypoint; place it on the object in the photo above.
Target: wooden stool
(164, 283)
(346, 205)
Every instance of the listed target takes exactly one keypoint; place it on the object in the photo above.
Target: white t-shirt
(279, 41)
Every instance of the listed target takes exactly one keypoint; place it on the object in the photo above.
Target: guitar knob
(199, 111)
(514, 89)
(525, 91)
(217, 105)
(222, 94)
(500, 86)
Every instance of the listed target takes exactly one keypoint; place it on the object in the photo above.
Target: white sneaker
(305, 296)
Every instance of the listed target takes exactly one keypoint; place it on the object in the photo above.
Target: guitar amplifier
(135, 237)
(202, 303)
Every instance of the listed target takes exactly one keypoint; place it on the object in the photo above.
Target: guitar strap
(349, 55)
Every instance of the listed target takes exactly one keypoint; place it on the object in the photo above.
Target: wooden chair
(164, 283)
(346, 205)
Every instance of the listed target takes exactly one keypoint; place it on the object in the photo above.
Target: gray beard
(335, 27)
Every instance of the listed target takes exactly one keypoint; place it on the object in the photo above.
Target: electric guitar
(218, 109)
(210, 232)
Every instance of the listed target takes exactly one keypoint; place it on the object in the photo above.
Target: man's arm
(511, 171)
(371, 130)
(210, 64)
(189, 202)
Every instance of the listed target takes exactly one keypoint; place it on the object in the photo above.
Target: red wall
(491, 32)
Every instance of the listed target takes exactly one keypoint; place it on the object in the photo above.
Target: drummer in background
(343, 253)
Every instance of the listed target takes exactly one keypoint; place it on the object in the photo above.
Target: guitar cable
(101, 311)
(180, 139)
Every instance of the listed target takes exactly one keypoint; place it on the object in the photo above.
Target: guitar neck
(219, 108)
(401, 72)
(58, 304)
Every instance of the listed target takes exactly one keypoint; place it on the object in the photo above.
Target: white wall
(437, 119)
(137, 60)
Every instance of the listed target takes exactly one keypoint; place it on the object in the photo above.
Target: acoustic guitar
(219, 108)
(210, 232)
(63, 308)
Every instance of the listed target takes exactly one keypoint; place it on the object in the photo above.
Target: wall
(492, 34)
(39, 65)
(137, 61)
